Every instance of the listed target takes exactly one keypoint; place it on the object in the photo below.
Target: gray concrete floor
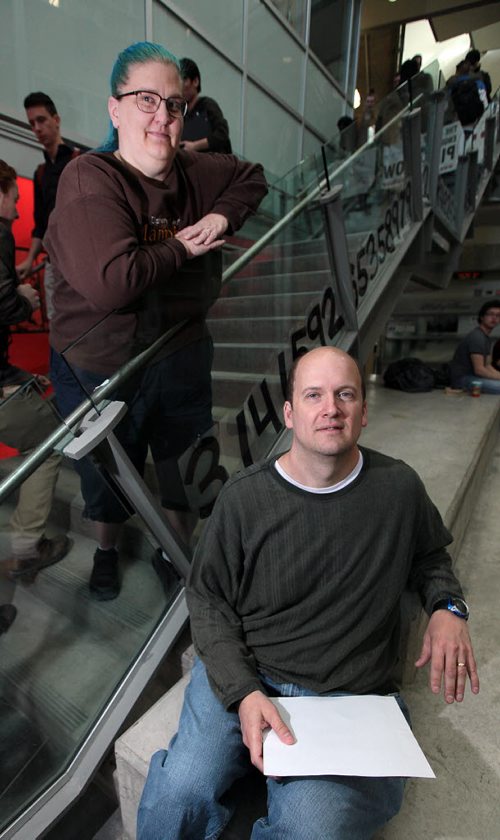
(462, 741)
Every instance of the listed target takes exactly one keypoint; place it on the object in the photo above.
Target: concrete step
(239, 358)
(278, 283)
(285, 261)
(259, 329)
(252, 306)
(230, 389)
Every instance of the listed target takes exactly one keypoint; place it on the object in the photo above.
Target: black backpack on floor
(410, 374)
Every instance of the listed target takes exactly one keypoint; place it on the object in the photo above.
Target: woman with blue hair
(135, 243)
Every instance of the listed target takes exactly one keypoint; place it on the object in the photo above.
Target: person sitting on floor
(472, 359)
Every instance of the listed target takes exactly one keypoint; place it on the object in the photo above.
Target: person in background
(45, 123)
(366, 117)
(205, 128)
(135, 241)
(472, 359)
(348, 134)
(25, 419)
(473, 59)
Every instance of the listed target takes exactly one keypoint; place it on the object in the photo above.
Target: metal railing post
(437, 106)
(340, 264)
(472, 182)
(461, 183)
(412, 155)
(489, 142)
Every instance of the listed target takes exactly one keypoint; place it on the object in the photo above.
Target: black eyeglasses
(149, 102)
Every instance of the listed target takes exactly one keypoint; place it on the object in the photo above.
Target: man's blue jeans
(488, 386)
(185, 796)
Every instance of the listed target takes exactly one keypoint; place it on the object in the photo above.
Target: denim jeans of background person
(296, 587)
(134, 241)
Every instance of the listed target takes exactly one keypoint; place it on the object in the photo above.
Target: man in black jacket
(205, 129)
(45, 123)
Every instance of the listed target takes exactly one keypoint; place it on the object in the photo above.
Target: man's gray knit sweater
(306, 587)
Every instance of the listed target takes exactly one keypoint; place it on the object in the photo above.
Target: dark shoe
(166, 572)
(47, 553)
(8, 613)
(105, 581)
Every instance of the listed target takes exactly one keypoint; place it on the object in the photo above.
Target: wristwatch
(455, 605)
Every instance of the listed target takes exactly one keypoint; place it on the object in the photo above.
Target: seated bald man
(295, 590)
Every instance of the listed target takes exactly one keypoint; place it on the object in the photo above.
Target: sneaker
(166, 572)
(47, 553)
(104, 581)
(8, 613)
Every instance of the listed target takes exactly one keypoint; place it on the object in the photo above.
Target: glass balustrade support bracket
(94, 429)
(437, 107)
(412, 156)
(472, 182)
(461, 183)
(96, 436)
(489, 143)
(338, 255)
(116, 462)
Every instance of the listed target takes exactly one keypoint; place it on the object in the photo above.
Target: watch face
(459, 607)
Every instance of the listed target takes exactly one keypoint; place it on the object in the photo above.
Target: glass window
(221, 20)
(311, 144)
(43, 47)
(295, 12)
(323, 104)
(274, 56)
(328, 34)
(220, 80)
(263, 115)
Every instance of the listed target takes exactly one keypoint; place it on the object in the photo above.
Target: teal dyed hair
(140, 53)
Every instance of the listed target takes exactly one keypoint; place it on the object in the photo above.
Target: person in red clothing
(25, 419)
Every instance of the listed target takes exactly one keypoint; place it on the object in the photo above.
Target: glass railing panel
(289, 188)
(452, 149)
(457, 142)
(479, 141)
(377, 208)
(65, 654)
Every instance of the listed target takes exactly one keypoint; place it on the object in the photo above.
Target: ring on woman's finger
(460, 664)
